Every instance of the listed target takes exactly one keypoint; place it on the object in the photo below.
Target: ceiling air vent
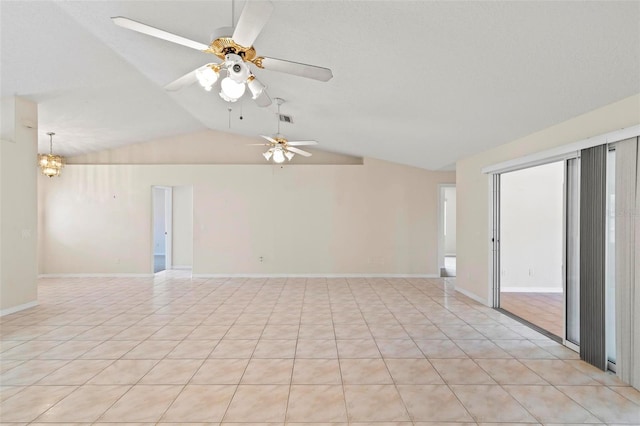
(286, 118)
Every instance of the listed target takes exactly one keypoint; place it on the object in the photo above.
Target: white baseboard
(115, 275)
(315, 276)
(18, 308)
(182, 267)
(472, 296)
(530, 289)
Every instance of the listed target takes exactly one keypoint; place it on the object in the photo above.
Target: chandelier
(50, 164)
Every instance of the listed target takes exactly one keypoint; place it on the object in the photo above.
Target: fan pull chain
(229, 109)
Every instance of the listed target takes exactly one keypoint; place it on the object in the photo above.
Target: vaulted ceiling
(418, 83)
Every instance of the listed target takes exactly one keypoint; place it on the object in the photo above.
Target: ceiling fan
(236, 52)
(281, 148)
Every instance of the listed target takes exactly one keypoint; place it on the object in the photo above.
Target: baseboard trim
(95, 275)
(530, 290)
(18, 308)
(472, 296)
(315, 276)
(182, 267)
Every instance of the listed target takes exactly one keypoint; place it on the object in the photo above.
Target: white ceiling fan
(281, 148)
(236, 51)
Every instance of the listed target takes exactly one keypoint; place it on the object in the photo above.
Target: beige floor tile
(220, 372)
(349, 331)
(280, 332)
(510, 372)
(7, 365)
(32, 401)
(477, 349)
(316, 349)
(9, 391)
(604, 403)
(151, 349)
(461, 372)
(29, 350)
(628, 392)
(425, 332)
(558, 372)
(490, 403)
(313, 331)
(111, 349)
(364, 372)
(549, 405)
(142, 403)
(234, 349)
(432, 403)
(100, 333)
(608, 378)
(136, 332)
(69, 350)
(77, 372)
(200, 403)
(440, 349)
(316, 403)
(358, 348)
(413, 372)
(244, 332)
(272, 348)
(30, 372)
(268, 372)
(394, 348)
(374, 403)
(258, 403)
(123, 372)
(172, 372)
(316, 371)
(86, 404)
(208, 332)
(524, 349)
(193, 349)
(172, 332)
(388, 332)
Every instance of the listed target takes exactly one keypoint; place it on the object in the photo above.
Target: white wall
(450, 223)
(378, 217)
(159, 246)
(473, 244)
(182, 226)
(18, 208)
(531, 219)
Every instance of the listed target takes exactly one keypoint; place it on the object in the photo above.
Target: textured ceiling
(418, 83)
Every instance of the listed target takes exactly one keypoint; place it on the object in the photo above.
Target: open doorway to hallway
(447, 230)
(531, 245)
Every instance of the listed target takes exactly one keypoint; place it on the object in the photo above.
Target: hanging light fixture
(50, 164)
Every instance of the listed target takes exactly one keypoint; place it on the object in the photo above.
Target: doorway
(447, 230)
(531, 228)
(162, 221)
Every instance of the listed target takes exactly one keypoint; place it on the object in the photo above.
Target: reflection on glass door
(610, 281)
(572, 253)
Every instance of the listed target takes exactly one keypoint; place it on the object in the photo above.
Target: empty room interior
(413, 213)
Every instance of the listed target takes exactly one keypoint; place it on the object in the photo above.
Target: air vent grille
(286, 118)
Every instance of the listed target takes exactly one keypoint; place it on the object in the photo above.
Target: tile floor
(288, 351)
(542, 309)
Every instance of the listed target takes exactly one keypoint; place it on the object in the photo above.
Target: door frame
(168, 225)
(441, 242)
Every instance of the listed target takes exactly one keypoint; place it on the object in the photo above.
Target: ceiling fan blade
(252, 19)
(299, 151)
(270, 139)
(263, 100)
(155, 32)
(184, 81)
(301, 143)
(295, 68)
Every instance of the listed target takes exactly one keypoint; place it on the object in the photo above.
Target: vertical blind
(627, 236)
(592, 255)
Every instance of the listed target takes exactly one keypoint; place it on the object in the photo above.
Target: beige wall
(374, 218)
(182, 226)
(18, 209)
(473, 243)
(531, 220)
(206, 147)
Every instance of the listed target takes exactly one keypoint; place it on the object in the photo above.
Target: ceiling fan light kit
(236, 52)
